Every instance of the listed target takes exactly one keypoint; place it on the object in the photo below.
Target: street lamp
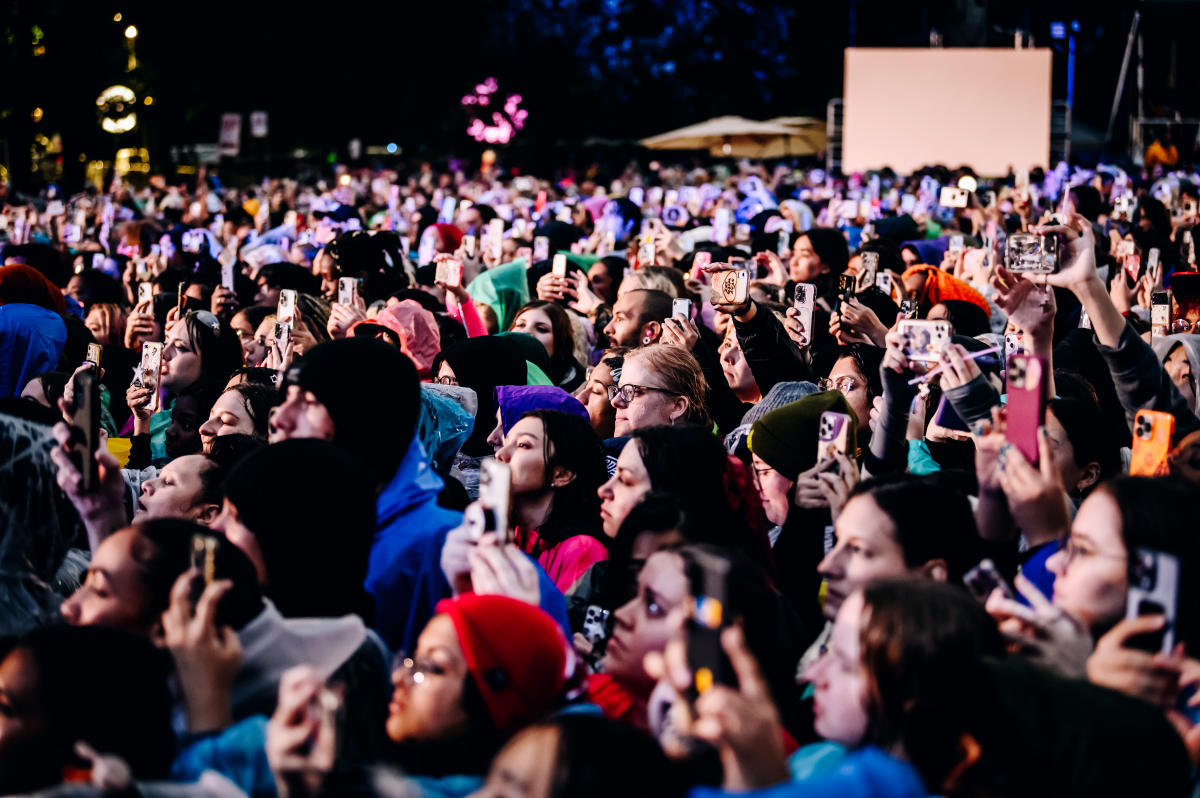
(131, 33)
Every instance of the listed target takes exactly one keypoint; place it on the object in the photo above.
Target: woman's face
(301, 416)
(847, 379)
(77, 289)
(1179, 369)
(229, 416)
(774, 491)
(35, 392)
(427, 702)
(594, 395)
(737, 369)
(183, 433)
(175, 492)
(181, 362)
(107, 324)
(647, 621)
(651, 408)
(524, 768)
(625, 488)
(26, 761)
(839, 679)
(113, 592)
(601, 281)
(866, 549)
(255, 347)
(446, 375)
(805, 265)
(524, 453)
(1062, 452)
(909, 257)
(1091, 570)
(536, 322)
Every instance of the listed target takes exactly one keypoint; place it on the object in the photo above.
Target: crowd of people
(673, 481)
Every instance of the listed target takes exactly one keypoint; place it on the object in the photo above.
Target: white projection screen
(988, 108)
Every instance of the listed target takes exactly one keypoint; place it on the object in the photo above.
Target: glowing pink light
(483, 99)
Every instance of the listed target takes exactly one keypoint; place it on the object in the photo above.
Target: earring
(646, 340)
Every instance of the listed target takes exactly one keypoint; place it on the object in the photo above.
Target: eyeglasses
(447, 380)
(414, 671)
(844, 384)
(1072, 551)
(629, 392)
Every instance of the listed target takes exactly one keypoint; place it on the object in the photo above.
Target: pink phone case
(1026, 403)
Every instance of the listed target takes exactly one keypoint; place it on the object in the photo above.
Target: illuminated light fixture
(500, 126)
(131, 32)
(392, 148)
(148, 100)
(967, 183)
(37, 114)
(117, 17)
(726, 148)
(115, 106)
(344, 180)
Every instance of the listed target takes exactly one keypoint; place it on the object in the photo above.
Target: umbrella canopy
(732, 136)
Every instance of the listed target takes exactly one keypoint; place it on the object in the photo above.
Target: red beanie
(516, 654)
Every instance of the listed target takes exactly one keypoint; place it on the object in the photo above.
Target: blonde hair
(648, 279)
(679, 372)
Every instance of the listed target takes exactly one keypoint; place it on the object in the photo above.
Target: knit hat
(517, 400)
(786, 438)
(370, 390)
(417, 329)
(516, 654)
(781, 393)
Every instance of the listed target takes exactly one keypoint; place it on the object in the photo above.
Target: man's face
(625, 329)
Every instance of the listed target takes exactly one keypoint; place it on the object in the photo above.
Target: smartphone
(468, 245)
(85, 428)
(645, 254)
(145, 293)
(984, 579)
(1153, 590)
(610, 242)
(449, 206)
(495, 239)
(1160, 314)
(955, 246)
(285, 312)
(742, 232)
(1133, 269)
(180, 297)
(1026, 252)
(347, 291)
(720, 226)
(150, 371)
(908, 309)
(541, 249)
(1152, 431)
(701, 261)
(924, 340)
(681, 307)
(327, 713)
(730, 286)
(908, 203)
(495, 486)
(784, 244)
(833, 436)
(204, 563)
(193, 240)
(281, 333)
(868, 268)
(1026, 410)
(559, 266)
(708, 578)
(637, 196)
(804, 301)
(1085, 321)
(94, 352)
(1013, 345)
(227, 275)
(144, 274)
(449, 272)
(1154, 267)
(952, 197)
(1189, 244)
(885, 283)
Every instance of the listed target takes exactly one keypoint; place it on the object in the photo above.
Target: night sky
(587, 69)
